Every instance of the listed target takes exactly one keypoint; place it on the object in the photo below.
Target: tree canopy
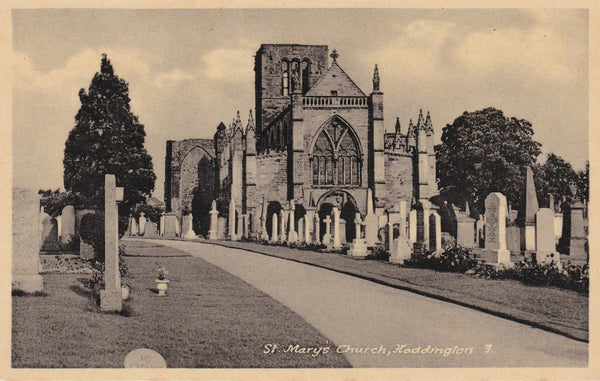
(483, 152)
(107, 138)
(554, 177)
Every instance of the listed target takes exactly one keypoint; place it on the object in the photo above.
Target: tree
(107, 138)
(554, 177)
(483, 152)
(583, 183)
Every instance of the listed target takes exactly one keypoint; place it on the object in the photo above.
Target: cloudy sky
(190, 69)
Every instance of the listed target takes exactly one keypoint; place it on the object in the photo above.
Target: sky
(188, 70)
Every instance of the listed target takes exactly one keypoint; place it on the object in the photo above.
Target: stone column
(214, 222)
(336, 229)
(240, 226)
(111, 297)
(292, 236)
(274, 229)
(245, 224)
(142, 224)
(495, 230)
(327, 235)
(264, 234)
(26, 242)
(301, 235)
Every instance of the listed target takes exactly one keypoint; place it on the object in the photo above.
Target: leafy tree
(555, 177)
(107, 138)
(54, 201)
(583, 183)
(483, 152)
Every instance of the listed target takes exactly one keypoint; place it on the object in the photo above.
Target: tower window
(285, 79)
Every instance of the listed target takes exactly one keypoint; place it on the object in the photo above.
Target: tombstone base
(28, 283)
(577, 249)
(213, 235)
(326, 239)
(292, 237)
(402, 252)
(358, 249)
(496, 257)
(111, 300)
(190, 235)
(234, 238)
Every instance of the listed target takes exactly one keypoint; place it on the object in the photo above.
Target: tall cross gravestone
(495, 230)
(327, 235)
(111, 297)
(358, 248)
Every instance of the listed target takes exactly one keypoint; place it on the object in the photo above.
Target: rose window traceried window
(336, 156)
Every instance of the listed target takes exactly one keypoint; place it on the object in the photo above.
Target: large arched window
(336, 156)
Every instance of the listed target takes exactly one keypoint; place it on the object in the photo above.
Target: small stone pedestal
(402, 250)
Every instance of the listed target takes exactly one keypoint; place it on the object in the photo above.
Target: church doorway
(201, 205)
(347, 207)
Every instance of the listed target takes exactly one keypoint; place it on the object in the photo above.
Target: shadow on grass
(81, 291)
(23, 293)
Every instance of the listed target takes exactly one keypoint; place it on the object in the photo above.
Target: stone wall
(398, 178)
(272, 178)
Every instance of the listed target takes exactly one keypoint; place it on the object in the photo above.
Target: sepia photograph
(351, 189)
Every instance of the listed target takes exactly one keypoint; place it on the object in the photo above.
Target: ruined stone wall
(398, 178)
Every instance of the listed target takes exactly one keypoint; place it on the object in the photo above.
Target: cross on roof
(334, 55)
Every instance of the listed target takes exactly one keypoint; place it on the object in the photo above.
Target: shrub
(456, 259)
(91, 231)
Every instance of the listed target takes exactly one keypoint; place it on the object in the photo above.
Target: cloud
(78, 70)
(226, 64)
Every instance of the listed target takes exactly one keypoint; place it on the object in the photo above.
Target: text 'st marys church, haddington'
(317, 140)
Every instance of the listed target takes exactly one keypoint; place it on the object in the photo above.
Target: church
(315, 141)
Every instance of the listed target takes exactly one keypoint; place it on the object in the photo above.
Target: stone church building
(317, 139)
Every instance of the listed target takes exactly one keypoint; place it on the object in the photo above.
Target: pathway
(357, 314)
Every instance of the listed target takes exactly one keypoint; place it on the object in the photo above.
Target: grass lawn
(210, 319)
(559, 310)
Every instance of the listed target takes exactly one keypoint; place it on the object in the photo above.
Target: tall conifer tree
(107, 138)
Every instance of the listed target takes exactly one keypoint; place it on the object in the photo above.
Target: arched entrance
(273, 208)
(203, 195)
(347, 206)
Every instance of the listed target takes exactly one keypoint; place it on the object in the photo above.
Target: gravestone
(495, 230)
(292, 235)
(222, 223)
(144, 358)
(412, 226)
(274, 228)
(111, 295)
(317, 229)
(150, 230)
(578, 241)
(513, 239)
(133, 227)
(545, 242)
(308, 234)
(231, 225)
(188, 230)
(49, 236)
(558, 225)
(343, 239)
(68, 227)
(170, 225)
(301, 237)
(526, 216)
(142, 224)
(371, 222)
(26, 264)
(264, 234)
(327, 235)
(465, 230)
(336, 244)
(214, 222)
(358, 248)
(283, 218)
(435, 232)
(162, 224)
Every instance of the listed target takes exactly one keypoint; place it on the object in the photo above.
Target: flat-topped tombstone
(495, 229)
(150, 230)
(170, 229)
(26, 241)
(144, 358)
(545, 243)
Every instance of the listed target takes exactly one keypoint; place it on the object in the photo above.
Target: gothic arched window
(305, 76)
(285, 84)
(336, 156)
